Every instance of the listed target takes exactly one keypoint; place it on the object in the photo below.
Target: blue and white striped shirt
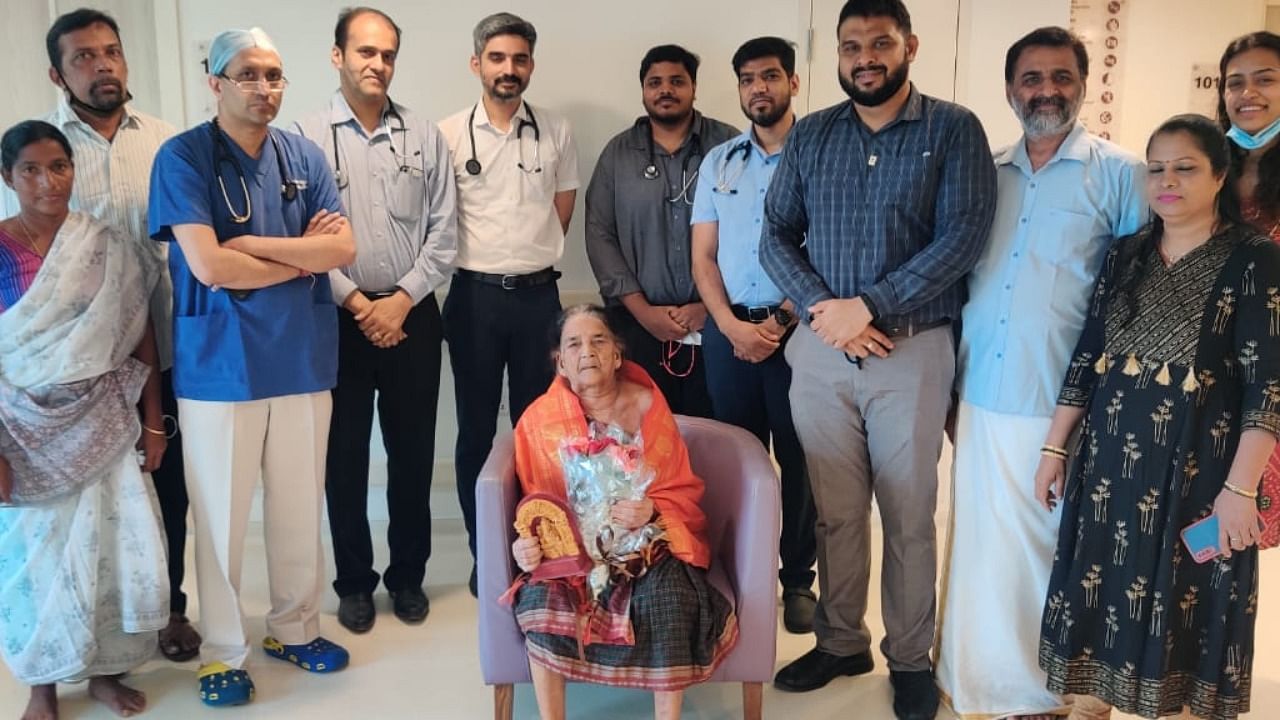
(900, 215)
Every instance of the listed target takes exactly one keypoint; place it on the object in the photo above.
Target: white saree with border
(83, 581)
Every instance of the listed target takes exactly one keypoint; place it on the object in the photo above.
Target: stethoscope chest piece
(472, 166)
(651, 172)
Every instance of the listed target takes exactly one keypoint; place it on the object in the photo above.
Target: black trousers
(406, 382)
(754, 396)
(170, 481)
(490, 330)
(679, 371)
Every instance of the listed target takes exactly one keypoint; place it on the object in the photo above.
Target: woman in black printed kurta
(1177, 378)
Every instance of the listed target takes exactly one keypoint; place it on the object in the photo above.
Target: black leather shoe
(798, 605)
(816, 668)
(356, 612)
(915, 695)
(411, 605)
(471, 584)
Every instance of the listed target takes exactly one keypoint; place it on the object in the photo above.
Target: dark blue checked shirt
(900, 215)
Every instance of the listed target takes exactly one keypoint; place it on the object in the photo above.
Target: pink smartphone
(1201, 538)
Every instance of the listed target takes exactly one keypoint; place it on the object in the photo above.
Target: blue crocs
(317, 656)
(222, 685)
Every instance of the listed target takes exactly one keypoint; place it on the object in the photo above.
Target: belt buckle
(509, 282)
(758, 313)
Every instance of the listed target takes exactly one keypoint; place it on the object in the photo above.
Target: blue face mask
(1254, 142)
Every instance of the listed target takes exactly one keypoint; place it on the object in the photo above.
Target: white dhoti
(1000, 553)
(83, 581)
(226, 447)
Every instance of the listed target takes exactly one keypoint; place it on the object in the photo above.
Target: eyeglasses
(245, 86)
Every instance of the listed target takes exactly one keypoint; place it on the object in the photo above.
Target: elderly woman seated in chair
(657, 624)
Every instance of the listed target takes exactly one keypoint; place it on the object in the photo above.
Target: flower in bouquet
(601, 469)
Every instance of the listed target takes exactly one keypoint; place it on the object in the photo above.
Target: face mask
(1254, 142)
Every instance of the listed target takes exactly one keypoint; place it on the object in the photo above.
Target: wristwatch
(783, 317)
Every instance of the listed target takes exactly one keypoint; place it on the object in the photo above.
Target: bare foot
(123, 700)
(43, 704)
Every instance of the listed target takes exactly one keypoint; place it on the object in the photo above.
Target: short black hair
(348, 14)
(1050, 36)
(766, 47)
(893, 9)
(670, 53)
(69, 23)
(23, 134)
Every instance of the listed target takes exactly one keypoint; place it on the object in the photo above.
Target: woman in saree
(1177, 379)
(679, 627)
(82, 570)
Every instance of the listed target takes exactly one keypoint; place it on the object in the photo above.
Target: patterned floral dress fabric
(1130, 618)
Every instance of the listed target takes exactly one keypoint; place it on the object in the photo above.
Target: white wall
(587, 59)
(1167, 38)
(588, 55)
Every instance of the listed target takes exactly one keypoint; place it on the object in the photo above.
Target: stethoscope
(340, 177)
(651, 171)
(288, 188)
(727, 184)
(473, 166)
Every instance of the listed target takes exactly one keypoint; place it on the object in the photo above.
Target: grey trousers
(874, 430)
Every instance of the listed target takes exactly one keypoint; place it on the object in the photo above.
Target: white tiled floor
(432, 671)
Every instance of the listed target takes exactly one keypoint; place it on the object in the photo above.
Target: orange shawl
(675, 491)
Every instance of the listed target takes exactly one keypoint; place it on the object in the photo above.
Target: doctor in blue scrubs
(256, 223)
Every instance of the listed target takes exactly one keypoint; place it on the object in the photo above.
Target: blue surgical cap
(229, 43)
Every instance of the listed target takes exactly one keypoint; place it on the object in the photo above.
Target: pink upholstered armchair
(741, 503)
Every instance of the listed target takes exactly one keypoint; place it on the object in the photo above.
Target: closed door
(934, 70)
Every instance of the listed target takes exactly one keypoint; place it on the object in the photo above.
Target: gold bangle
(1251, 494)
(153, 431)
(1055, 449)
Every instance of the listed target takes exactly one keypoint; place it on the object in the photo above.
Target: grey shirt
(637, 231)
(398, 189)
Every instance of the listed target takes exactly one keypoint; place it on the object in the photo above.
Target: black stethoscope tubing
(651, 171)
(473, 166)
(340, 177)
(221, 154)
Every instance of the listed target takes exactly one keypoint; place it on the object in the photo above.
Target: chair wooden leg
(504, 697)
(752, 701)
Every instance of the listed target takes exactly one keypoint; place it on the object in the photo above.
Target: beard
(1038, 124)
(496, 91)
(893, 82)
(769, 117)
(105, 97)
(668, 117)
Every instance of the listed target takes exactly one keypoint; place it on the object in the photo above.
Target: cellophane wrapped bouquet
(599, 470)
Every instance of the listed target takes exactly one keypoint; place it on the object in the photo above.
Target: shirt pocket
(907, 180)
(1068, 239)
(538, 176)
(406, 194)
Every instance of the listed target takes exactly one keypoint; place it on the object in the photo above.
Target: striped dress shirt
(113, 182)
(398, 190)
(899, 215)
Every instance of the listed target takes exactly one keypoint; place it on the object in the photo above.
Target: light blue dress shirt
(1029, 293)
(399, 189)
(731, 188)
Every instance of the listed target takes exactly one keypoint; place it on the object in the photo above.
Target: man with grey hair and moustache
(1064, 197)
(516, 168)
